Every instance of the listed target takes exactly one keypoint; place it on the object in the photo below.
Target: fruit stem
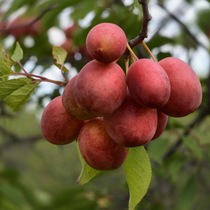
(149, 51)
(131, 51)
(126, 65)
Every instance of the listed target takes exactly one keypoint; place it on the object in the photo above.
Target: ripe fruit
(71, 105)
(148, 83)
(97, 147)
(106, 42)
(100, 88)
(57, 125)
(19, 27)
(162, 122)
(69, 30)
(186, 92)
(131, 124)
(68, 46)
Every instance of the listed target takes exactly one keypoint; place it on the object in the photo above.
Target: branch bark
(143, 33)
(31, 22)
(146, 18)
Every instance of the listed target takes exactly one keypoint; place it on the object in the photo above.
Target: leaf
(9, 86)
(59, 54)
(188, 195)
(138, 174)
(158, 41)
(157, 149)
(5, 64)
(174, 165)
(63, 68)
(193, 146)
(19, 97)
(18, 53)
(87, 172)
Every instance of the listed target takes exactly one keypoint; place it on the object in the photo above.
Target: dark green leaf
(188, 195)
(158, 41)
(174, 165)
(138, 174)
(193, 146)
(162, 55)
(157, 149)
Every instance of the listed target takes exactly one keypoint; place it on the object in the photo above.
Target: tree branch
(143, 33)
(146, 18)
(13, 139)
(197, 121)
(31, 22)
(204, 112)
(185, 28)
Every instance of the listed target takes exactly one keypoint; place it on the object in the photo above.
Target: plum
(71, 105)
(57, 125)
(97, 147)
(148, 83)
(131, 125)
(186, 91)
(100, 88)
(162, 122)
(106, 42)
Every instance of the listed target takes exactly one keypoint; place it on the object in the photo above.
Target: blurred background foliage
(37, 175)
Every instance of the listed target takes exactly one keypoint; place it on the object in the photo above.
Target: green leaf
(193, 146)
(62, 67)
(59, 54)
(158, 41)
(5, 64)
(19, 97)
(18, 53)
(87, 172)
(188, 195)
(9, 86)
(174, 165)
(157, 149)
(138, 174)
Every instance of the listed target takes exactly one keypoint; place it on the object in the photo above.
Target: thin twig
(185, 28)
(33, 21)
(41, 78)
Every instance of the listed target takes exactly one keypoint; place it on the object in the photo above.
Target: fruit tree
(120, 97)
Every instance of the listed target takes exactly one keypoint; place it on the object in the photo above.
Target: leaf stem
(40, 78)
(63, 73)
(126, 65)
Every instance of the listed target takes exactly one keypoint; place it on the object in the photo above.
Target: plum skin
(71, 105)
(100, 88)
(186, 91)
(57, 125)
(131, 125)
(162, 122)
(106, 42)
(97, 147)
(148, 83)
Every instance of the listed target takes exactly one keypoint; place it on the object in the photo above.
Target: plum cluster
(109, 111)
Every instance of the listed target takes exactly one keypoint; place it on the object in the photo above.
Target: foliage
(179, 177)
